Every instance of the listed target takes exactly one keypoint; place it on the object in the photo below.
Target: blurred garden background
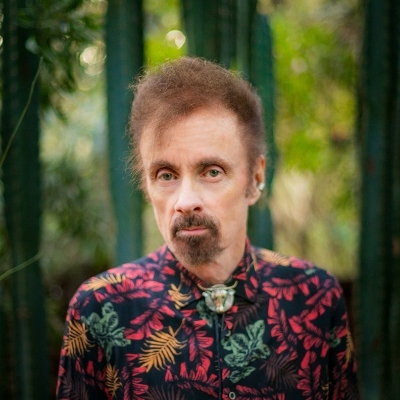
(328, 73)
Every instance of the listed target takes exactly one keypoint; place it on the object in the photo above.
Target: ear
(257, 180)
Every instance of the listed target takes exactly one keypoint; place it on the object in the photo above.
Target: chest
(259, 351)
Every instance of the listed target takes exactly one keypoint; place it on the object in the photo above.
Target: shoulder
(273, 263)
(123, 282)
(290, 277)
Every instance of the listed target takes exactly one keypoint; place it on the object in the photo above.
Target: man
(207, 315)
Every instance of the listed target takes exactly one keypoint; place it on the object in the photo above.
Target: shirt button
(232, 395)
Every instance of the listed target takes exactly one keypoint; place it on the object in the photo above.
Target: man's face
(196, 177)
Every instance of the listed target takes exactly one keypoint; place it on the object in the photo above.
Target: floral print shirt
(143, 331)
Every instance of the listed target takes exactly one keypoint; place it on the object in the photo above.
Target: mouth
(193, 230)
(193, 227)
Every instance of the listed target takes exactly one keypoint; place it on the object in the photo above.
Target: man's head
(178, 88)
(198, 136)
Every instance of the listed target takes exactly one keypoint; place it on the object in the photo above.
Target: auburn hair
(178, 88)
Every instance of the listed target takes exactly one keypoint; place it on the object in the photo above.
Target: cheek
(162, 212)
(233, 209)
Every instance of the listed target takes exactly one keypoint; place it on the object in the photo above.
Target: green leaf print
(237, 375)
(105, 329)
(205, 312)
(238, 359)
(237, 343)
(310, 271)
(245, 349)
(256, 333)
(333, 340)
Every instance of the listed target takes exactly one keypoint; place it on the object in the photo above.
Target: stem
(21, 266)
(22, 114)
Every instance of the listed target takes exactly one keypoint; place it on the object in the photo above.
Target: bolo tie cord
(218, 330)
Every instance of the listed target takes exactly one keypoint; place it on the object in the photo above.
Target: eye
(166, 176)
(213, 173)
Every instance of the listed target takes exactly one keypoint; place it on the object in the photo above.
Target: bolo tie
(219, 298)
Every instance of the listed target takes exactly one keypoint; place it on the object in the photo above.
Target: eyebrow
(213, 161)
(156, 165)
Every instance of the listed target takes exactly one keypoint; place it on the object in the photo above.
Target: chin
(196, 250)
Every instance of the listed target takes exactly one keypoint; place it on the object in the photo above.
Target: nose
(188, 200)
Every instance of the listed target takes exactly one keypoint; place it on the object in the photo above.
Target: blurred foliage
(315, 197)
(78, 226)
(163, 37)
(62, 29)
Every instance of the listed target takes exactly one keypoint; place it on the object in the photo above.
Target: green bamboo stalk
(4, 356)
(374, 298)
(246, 11)
(260, 226)
(228, 19)
(254, 60)
(390, 386)
(4, 324)
(202, 27)
(188, 16)
(124, 46)
(394, 316)
(22, 188)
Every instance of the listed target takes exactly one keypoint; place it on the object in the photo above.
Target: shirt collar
(245, 274)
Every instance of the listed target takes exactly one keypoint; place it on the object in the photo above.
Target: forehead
(205, 131)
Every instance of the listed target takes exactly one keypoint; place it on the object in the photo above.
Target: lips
(193, 230)
(193, 225)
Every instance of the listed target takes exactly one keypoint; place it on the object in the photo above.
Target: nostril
(188, 203)
(187, 208)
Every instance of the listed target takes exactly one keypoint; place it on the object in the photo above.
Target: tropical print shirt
(143, 332)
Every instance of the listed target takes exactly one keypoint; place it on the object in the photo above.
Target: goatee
(196, 249)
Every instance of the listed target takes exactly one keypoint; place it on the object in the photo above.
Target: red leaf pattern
(289, 316)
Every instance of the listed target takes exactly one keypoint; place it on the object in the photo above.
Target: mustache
(191, 220)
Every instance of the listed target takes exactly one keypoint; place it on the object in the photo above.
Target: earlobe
(259, 174)
(258, 179)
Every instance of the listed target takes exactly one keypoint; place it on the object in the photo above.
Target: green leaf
(121, 341)
(264, 351)
(105, 330)
(237, 343)
(256, 330)
(238, 360)
(236, 376)
(205, 313)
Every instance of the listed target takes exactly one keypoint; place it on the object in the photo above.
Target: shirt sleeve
(343, 369)
(82, 369)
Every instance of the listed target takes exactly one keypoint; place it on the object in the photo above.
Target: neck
(218, 270)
